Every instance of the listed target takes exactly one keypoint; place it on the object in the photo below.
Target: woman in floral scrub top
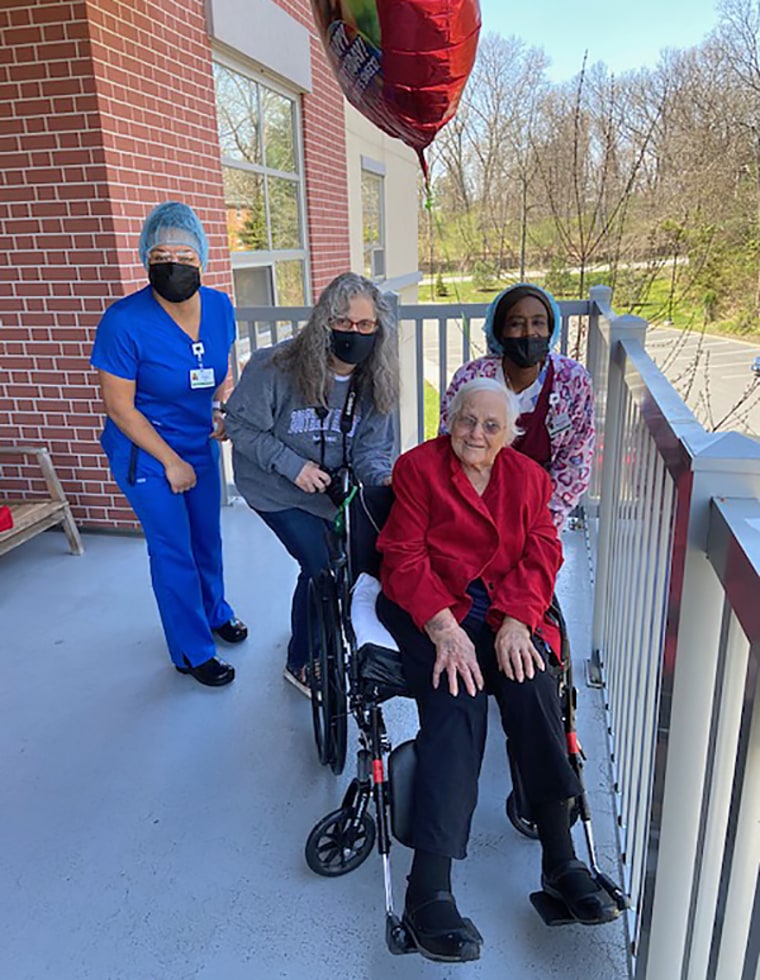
(554, 391)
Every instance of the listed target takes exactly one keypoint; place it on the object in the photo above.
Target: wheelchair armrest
(382, 672)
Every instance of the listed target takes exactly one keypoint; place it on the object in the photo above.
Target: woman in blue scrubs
(162, 357)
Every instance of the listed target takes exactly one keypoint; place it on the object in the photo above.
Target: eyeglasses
(181, 258)
(346, 323)
(491, 427)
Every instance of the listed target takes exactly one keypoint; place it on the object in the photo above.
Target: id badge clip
(202, 378)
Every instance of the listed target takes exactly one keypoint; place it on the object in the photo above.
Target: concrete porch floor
(153, 828)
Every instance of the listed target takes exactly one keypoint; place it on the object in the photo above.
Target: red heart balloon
(402, 63)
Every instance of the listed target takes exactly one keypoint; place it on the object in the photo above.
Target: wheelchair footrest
(553, 911)
(397, 939)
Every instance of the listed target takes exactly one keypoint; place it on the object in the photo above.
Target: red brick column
(105, 110)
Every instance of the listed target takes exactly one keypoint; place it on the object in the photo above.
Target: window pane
(372, 208)
(283, 213)
(246, 210)
(372, 225)
(290, 283)
(253, 286)
(237, 115)
(277, 113)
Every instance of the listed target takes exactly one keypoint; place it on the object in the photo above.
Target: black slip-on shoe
(233, 631)
(460, 944)
(212, 673)
(572, 883)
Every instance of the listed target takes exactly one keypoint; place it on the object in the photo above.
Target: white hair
(487, 384)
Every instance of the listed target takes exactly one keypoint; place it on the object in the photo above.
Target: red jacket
(441, 535)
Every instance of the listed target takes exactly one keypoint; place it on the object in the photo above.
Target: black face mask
(174, 281)
(525, 352)
(351, 347)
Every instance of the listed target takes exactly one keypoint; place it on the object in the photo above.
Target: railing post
(393, 301)
(600, 298)
(619, 328)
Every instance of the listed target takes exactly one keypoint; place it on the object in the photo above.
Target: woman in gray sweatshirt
(303, 410)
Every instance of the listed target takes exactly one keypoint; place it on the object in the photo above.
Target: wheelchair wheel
(523, 826)
(319, 706)
(335, 847)
(327, 673)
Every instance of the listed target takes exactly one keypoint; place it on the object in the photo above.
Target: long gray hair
(306, 357)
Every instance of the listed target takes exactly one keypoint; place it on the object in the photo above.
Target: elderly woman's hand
(454, 653)
(515, 653)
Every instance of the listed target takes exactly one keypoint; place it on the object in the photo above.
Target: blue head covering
(173, 223)
(506, 300)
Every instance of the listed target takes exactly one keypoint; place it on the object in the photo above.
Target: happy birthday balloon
(402, 63)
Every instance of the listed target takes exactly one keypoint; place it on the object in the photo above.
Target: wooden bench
(31, 517)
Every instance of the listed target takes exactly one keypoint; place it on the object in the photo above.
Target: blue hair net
(173, 223)
(521, 289)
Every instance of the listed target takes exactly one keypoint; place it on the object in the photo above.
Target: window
(259, 139)
(373, 222)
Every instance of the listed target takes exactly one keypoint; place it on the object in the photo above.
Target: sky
(624, 34)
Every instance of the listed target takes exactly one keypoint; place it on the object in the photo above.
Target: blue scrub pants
(183, 533)
(303, 535)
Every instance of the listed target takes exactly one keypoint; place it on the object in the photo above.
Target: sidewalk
(155, 829)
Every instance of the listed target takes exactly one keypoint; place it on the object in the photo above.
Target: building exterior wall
(107, 108)
(401, 170)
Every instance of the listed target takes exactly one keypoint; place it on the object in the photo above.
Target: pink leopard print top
(570, 421)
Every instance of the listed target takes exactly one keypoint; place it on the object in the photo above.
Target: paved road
(712, 374)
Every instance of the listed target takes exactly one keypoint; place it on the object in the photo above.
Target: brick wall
(107, 108)
(54, 214)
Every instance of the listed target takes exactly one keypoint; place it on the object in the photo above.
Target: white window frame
(243, 260)
(377, 169)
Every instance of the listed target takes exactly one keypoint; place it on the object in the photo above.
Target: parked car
(756, 366)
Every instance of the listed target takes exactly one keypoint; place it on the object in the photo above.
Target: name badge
(202, 378)
(560, 423)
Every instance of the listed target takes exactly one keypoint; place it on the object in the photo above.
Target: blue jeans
(303, 535)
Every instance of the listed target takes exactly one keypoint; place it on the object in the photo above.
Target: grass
(685, 314)
(432, 410)
(461, 292)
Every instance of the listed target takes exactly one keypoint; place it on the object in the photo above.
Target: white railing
(674, 530)
(676, 634)
(434, 339)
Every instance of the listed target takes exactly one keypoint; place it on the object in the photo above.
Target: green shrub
(559, 281)
(484, 276)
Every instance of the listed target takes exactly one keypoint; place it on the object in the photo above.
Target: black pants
(452, 735)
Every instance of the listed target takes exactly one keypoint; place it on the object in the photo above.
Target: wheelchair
(355, 667)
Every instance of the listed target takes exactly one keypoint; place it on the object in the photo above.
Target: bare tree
(590, 163)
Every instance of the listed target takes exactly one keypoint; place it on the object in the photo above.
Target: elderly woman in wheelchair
(469, 560)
